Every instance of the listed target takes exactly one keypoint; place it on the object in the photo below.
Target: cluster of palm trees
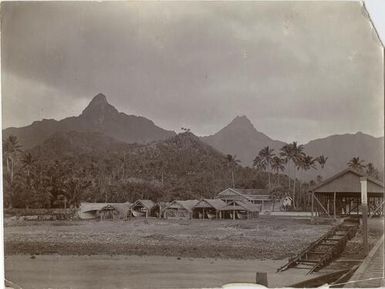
(290, 157)
(31, 183)
(359, 165)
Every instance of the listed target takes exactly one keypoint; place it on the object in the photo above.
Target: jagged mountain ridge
(341, 148)
(240, 138)
(98, 116)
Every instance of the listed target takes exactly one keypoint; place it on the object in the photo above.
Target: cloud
(197, 64)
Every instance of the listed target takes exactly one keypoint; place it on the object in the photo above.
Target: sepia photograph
(192, 144)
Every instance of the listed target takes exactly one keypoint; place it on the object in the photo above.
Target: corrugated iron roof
(344, 172)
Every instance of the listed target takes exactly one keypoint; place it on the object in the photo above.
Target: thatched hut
(89, 211)
(239, 210)
(142, 208)
(108, 212)
(180, 209)
(208, 208)
(158, 209)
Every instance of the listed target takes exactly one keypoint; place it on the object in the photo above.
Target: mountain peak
(99, 106)
(241, 122)
(99, 98)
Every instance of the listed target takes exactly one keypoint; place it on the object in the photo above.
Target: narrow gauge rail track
(324, 250)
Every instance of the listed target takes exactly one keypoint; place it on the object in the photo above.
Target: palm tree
(266, 155)
(28, 162)
(277, 165)
(287, 154)
(232, 162)
(356, 164)
(371, 171)
(11, 149)
(322, 161)
(298, 156)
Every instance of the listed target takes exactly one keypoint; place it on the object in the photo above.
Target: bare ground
(263, 238)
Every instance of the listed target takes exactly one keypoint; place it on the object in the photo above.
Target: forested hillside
(73, 166)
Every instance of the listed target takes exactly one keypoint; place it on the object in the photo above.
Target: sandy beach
(101, 271)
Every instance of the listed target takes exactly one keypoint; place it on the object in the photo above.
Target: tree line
(164, 173)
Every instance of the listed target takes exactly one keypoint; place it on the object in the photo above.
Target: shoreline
(104, 271)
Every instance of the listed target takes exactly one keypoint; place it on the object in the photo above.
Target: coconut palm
(28, 162)
(371, 171)
(11, 149)
(297, 159)
(277, 165)
(288, 155)
(265, 156)
(356, 164)
(322, 161)
(232, 162)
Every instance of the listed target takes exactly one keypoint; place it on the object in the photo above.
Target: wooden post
(334, 206)
(312, 205)
(261, 278)
(364, 209)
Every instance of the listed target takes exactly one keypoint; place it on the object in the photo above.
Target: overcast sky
(298, 70)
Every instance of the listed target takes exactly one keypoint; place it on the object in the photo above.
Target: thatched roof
(89, 210)
(217, 204)
(147, 204)
(240, 206)
(186, 204)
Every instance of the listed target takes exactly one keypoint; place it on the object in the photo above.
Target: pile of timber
(324, 250)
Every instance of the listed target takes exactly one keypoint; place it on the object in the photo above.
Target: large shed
(180, 209)
(208, 208)
(340, 195)
(239, 210)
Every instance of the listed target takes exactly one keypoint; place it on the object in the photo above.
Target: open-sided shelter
(142, 208)
(208, 208)
(94, 210)
(180, 209)
(239, 210)
(158, 209)
(340, 195)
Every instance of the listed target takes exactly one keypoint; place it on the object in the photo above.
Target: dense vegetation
(71, 167)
